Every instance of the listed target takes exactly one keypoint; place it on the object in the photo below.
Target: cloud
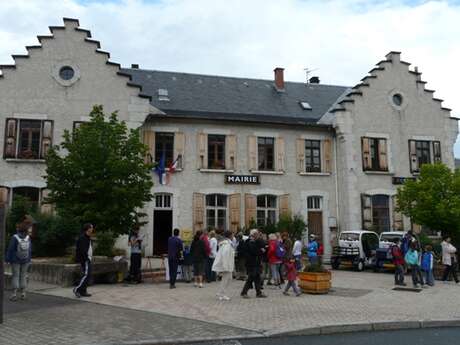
(340, 39)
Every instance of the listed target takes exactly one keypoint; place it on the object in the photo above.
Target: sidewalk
(359, 299)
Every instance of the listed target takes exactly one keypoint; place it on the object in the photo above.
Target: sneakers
(261, 296)
(85, 294)
(200, 285)
(285, 293)
(13, 298)
(298, 294)
(23, 295)
(76, 293)
(244, 296)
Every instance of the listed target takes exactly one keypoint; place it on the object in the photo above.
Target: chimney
(279, 78)
(314, 80)
(135, 66)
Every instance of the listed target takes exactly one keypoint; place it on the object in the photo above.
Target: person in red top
(292, 278)
(398, 261)
(273, 260)
(207, 264)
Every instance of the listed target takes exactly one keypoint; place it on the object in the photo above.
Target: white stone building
(249, 149)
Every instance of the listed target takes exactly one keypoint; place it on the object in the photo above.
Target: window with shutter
(280, 154)
(198, 211)
(164, 147)
(252, 153)
(4, 196)
(398, 223)
(375, 156)
(9, 150)
(216, 211)
(179, 148)
(300, 145)
(250, 209)
(230, 156)
(202, 148)
(47, 133)
(284, 209)
(266, 210)
(420, 153)
(327, 146)
(413, 157)
(266, 153)
(149, 141)
(366, 153)
(312, 155)
(366, 210)
(235, 206)
(437, 152)
(216, 151)
(45, 206)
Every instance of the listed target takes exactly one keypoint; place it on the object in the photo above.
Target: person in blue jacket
(427, 265)
(19, 255)
(312, 249)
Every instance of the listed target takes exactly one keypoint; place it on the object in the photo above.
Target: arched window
(266, 209)
(216, 211)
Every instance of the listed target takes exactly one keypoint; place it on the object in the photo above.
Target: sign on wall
(401, 180)
(242, 179)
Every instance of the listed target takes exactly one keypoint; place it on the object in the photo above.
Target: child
(292, 278)
(427, 265)
(411, 258)
(187, 265)
(398, 261)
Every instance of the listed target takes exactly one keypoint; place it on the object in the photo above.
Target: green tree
(433, 199)
(98, 174)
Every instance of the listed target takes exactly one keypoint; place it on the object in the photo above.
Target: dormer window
(305, 105)
(163, 95)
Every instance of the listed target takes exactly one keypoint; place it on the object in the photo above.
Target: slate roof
(235, 99)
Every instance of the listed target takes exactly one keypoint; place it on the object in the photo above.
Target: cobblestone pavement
(359, 297)
(49, 320)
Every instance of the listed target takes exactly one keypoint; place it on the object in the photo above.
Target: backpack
(280, 251)
(320, 249)
(23, 247)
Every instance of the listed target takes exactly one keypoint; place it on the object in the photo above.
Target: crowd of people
(259, 259)
(408, 254)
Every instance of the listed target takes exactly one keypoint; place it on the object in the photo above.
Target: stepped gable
(359, 89)
(69, 24)
(235, 99)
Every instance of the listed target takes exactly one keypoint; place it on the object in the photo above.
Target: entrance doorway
(315, 217)
(162, 223)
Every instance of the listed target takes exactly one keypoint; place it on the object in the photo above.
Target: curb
(321, 330)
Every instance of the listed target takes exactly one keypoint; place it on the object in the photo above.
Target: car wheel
(360, 266)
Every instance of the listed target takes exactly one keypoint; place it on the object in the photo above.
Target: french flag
(172, 168)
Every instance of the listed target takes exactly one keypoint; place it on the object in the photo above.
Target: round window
(397, 99)
(66, 73)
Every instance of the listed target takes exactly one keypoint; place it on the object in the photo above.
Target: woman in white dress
(224, 264)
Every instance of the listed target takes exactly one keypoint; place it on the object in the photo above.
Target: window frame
(377, 212)
(262, 151)
(216, 208)
(374, 153)
(18, 137)
(428, 144)
(267, 209)
(213, 149)
(311, 167)
(169, 158)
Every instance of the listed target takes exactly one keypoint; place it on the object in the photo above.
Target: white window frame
(216, 210)
(267, 209)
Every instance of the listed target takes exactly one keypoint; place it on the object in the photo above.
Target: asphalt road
(427, 336)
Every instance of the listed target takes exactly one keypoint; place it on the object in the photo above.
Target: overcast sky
(341, 40)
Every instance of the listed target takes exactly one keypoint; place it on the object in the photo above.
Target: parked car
(356, 248)
(384, 259)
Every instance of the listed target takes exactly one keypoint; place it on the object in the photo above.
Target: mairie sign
(242, 179)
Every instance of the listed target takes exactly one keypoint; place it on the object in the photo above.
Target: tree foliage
(98, 174)
(433, 199)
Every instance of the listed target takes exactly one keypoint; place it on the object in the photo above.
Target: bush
(21, 206)
(104, 244)
(293, 225)
(316, 268)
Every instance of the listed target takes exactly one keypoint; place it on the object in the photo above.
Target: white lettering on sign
(242, 179)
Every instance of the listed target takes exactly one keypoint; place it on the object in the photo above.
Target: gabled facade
(247, 150)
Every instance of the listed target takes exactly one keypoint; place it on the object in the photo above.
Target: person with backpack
(274, 255)
(398, 261)
(186, 264)
(19, 255)
(427, 265)
(84, 256)
(312, 249)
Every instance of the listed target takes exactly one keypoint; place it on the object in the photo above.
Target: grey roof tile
(238, 99)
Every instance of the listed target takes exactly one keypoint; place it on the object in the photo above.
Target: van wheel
(335, 263)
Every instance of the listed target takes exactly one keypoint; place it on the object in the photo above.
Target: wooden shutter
(300, 146)
(230, 154)
(383, 157)
(149, 140)
(45, 207)
(235, 206)
(280, 154)
(179, 148)
(327, 148)
(202, 141)
(367, 164)
(47, 137)
(413, 156)
(437, 151)
(366, 210)
(252, 152)
(4, 192)
(284, 205)
(250, 209)
(198, 211)
(11, 131)
(398, 224)
(416, 228)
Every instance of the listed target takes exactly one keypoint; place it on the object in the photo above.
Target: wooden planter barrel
(315, 282)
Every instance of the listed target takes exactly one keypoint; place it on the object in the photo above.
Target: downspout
(336, 185)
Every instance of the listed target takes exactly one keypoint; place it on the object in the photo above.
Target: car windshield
(347, 236)
(389, 237)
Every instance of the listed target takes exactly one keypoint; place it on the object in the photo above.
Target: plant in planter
(315, 279)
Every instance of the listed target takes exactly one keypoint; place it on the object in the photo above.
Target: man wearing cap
(312, 249)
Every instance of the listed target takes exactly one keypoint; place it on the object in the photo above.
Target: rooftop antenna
(308, 73)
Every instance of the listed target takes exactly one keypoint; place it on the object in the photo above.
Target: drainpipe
(337, 185)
